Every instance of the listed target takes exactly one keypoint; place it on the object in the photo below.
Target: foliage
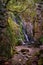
(41, 39)
(40, 62)
(6, 45)
(14, 30)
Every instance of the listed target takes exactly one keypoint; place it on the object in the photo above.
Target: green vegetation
(10, 32)
(41, 39)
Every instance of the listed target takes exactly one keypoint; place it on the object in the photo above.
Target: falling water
(24, 30)
(26, 37)
(19, 20)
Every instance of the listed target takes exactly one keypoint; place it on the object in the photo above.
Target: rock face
(38, 21)
(29, 27)
(3, 26)
(34, 27)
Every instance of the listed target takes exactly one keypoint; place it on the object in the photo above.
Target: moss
(39, 56)
(40, 61)
(28, 62)
(15, 52)
(41, 39)
(36, 54)
(41, 51)
(18, 43)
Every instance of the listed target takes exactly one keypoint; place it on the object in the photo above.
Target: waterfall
(24, 30)
(26, 36)
(18, 19)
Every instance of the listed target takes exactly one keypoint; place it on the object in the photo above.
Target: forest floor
(24, 54)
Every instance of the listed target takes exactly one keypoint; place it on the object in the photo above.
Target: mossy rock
(40, 61)
(41, 40)
(18, 43)
(41, 51)
(28, 62)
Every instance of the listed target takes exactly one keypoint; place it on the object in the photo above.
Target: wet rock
(24, 50)
(18, 60)
(21, 58)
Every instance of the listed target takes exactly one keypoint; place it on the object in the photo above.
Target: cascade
(28, 39)
(19, 20)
